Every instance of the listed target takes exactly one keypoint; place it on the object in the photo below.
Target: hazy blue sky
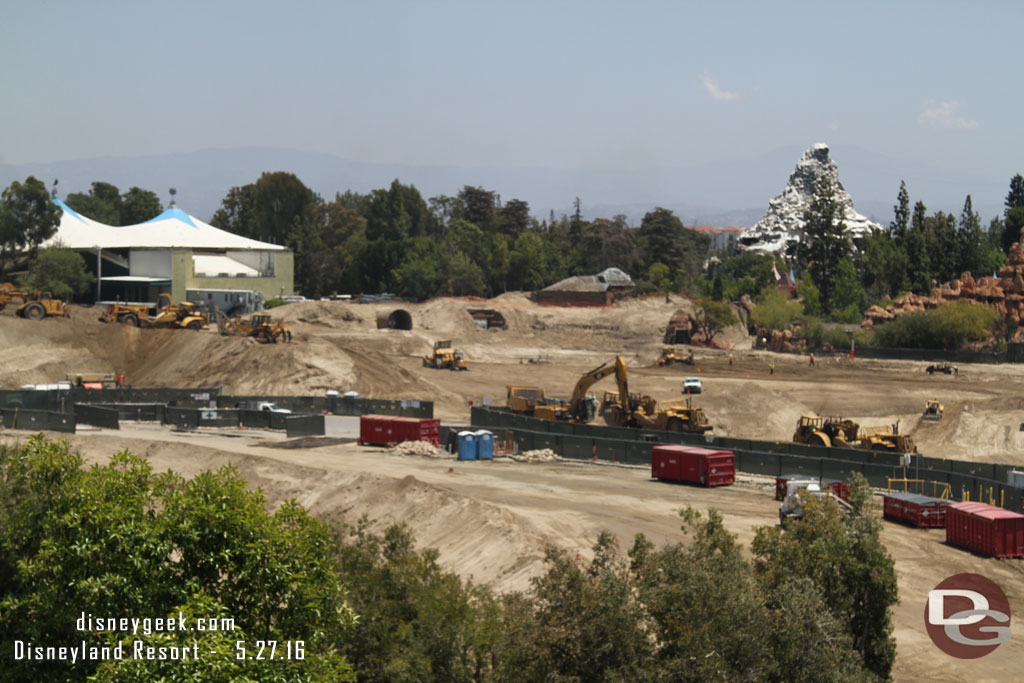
(560, 84)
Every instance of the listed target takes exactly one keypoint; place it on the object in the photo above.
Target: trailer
(915, 509)
(384, 430)
(985, 529)
(693, 465)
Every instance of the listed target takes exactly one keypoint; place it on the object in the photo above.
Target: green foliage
(713, 317)
(118, 540)
(417, 622)
(774, 311)
(1012, 227)
(660, 276)
(883, 265)
(848, 296)
(827, 244)
(950, 326)
(104, 204)
(663, 239)
(844, 557)
(273, 303)
(1015, 197)
(27, 219)
(811, 297)
(60, 271)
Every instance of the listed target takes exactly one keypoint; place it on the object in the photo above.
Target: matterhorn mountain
(781, 227)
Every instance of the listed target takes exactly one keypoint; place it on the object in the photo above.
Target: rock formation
(782, 226)
(1004, 293)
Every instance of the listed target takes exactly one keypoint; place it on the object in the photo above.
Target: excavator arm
(577, 408)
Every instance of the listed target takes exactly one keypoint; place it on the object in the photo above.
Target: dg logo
(967, 616)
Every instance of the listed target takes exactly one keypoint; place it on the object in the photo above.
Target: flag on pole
(776, 272)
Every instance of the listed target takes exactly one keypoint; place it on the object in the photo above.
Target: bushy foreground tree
(60, 271)
(118, 540)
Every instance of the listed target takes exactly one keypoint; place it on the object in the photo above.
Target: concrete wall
(150, 262)
(282, 283)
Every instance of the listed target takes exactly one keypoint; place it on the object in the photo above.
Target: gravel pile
(424, 448)
(542, 455)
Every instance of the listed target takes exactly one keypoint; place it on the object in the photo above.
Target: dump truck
(932, 411)
(623, 409)
(844, 433)
(445, 357)
(671, 355)
(258, 325)
(38, 305)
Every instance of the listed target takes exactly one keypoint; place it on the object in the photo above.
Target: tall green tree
(918, 246)
(139, 206)
(1015, 197)
(970, 240)
(901, 213)
(943, 246)
(1012, 227)
(662, 238)
(514, 218)
(479, 206)
(27, 219)
(826, 241)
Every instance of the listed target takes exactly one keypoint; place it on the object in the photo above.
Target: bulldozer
(623, 409)
(184, 315)
(844, 433)
(38, 305)
(259, 325)
(932, 411)
(671, 354)
(445, 357)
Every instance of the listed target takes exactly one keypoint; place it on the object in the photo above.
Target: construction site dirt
(492, 521)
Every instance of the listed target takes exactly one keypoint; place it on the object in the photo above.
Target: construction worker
(771, 368)
(812, 360)
(730, 360)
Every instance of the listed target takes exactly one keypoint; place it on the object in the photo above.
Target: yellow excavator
(623, 409)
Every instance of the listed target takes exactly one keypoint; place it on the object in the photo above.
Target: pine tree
(826, 242)
(1015, 198)
(970, 240)
(901, 212)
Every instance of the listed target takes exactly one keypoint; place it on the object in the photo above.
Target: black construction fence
(37, 420)
(979, 481)
(1014, 353)
(336, 405)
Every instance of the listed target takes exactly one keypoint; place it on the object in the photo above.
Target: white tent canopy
(172, 228)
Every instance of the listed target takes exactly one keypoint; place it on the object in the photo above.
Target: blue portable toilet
(467, 445)
(484, 445)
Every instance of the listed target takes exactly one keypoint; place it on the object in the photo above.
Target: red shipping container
(381, 430)
(916, 509)
(696, 465)
(985, 529)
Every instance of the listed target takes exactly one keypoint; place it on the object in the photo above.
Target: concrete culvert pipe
(395, 320)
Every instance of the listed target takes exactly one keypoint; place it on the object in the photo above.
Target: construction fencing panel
(188, 398)
(97, 416)
(138, 412)
(37, 420)
(218, 417)
(304, 425)
(254, 419)
(354, 406)
(181, 418)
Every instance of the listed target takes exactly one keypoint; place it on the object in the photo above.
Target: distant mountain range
(733, 192)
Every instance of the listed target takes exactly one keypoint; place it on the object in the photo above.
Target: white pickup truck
(262, 405)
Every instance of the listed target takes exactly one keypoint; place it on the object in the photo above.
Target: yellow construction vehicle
(844, 433)
(445, 357)
(38, 305)
(185, 315)
(671, 354)
(932, 411)
(8, 292)
(623, 409)
(259, 325)
(532, 401)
